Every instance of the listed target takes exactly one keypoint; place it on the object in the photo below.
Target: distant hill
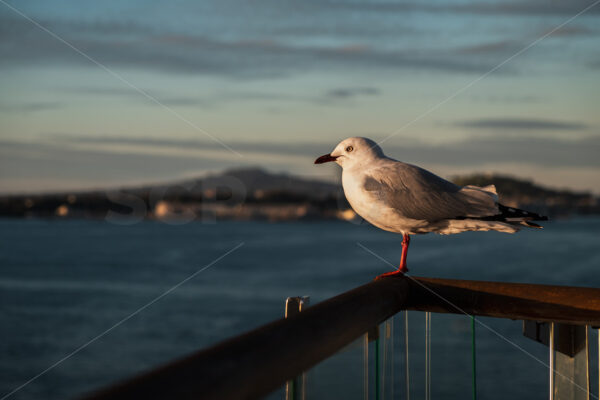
(253, 193)
(259, 181)
(521, 193)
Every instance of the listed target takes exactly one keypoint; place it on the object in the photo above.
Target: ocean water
(64, 282)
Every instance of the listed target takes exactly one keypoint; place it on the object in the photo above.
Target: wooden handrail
(571, 305)
(254, 364)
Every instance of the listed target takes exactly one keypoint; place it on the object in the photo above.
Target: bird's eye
(349, 149)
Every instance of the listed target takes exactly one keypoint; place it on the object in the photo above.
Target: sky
(116, 93)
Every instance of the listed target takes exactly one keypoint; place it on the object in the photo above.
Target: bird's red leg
(402, 268)
(405, 243)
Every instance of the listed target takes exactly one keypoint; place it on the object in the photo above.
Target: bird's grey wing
(418, 194)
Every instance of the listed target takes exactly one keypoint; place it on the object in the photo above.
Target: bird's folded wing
(418, 194)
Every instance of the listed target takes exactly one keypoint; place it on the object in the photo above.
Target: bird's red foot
(392, 273)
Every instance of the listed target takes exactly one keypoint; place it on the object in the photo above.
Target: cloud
(505, 99)
(571, 30)
(113, 45)
(29, 107)
(522, 124)
(67, 161)
(501, 46)
(472, 152)
(102, 91)
(273, 148)
(134, 95)
(594, 64)
(44, 166)
(344, 93)
(210, 100)
(550, 152)
(258, 50)
(526, 7)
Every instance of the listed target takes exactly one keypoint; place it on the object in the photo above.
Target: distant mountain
(258, 180)
(253, 193)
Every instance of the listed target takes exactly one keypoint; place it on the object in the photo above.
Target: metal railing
(256, 363)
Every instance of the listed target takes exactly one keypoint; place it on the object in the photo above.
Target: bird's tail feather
(531, 225)
(512, 216)
(516, 214)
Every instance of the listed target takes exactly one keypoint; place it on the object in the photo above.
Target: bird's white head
(352, 152)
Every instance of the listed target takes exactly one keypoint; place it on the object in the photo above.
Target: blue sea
(66, 283)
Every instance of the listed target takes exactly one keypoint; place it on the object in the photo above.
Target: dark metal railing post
(295, 389)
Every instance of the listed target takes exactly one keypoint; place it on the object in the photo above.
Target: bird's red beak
(325, 158)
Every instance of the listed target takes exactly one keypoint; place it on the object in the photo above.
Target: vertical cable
(474, 357)
(391, 366)
(366, 366)
(429, 370)
(407, 370)
(384, 360)
(588, 379)
(377, 372)
(387, 369)
(551, 346)
(427, 356)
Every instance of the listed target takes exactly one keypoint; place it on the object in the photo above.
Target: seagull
(406, 199)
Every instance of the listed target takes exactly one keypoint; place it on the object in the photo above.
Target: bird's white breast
(373, 209)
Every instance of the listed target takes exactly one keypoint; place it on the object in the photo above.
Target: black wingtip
(512, 215)
(511, 212)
